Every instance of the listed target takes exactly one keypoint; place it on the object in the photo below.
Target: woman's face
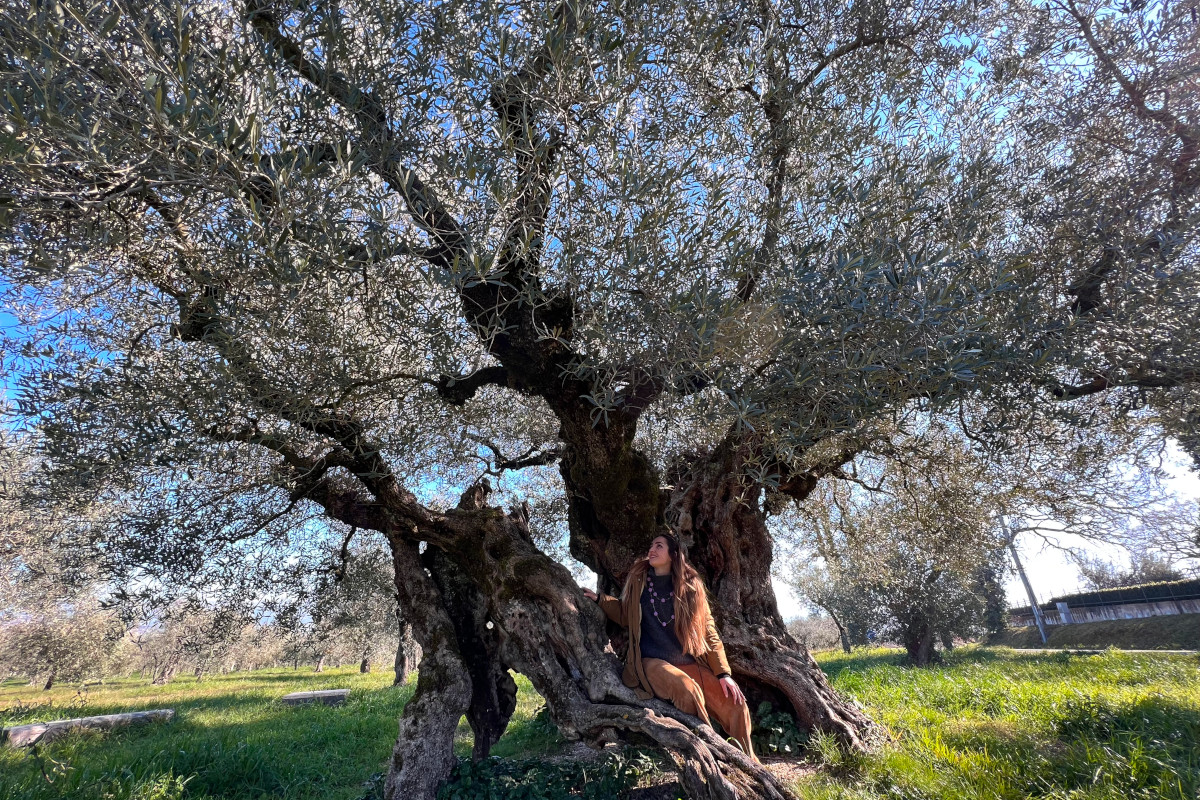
(659, 555)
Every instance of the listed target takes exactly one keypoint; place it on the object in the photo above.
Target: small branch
(339, 571)
(501, 463)
(534, 459)
(1164, 378)
(841, 474)
(373, 382)
(457, 391)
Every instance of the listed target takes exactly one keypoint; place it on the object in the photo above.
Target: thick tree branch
(1154, 377)
(533, 457)
(458, 390)
(427, 211)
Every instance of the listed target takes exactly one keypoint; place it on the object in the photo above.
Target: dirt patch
(789, 770)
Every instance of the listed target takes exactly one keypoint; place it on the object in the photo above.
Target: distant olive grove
(81, 642)
(66, 617)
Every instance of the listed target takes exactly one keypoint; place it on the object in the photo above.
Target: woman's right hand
(589, 594)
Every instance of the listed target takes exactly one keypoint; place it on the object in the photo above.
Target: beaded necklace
(656, 599)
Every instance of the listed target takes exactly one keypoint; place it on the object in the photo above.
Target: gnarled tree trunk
(720, 518)
(549, 632)
(721, 513)
(493, 690)
(424, 753)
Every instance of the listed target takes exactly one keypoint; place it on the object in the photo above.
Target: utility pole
(1011, 536)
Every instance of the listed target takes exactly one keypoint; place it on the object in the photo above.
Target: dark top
(658, 640)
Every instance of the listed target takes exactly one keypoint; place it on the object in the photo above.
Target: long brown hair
(692, 614)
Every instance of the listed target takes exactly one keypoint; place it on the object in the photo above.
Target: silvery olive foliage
(911, 553)
(914, 535)
(233, 232)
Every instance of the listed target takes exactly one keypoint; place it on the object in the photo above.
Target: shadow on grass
(249, 750)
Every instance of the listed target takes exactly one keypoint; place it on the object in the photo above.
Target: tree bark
(424, 753)
(841, 632)
(405, 654)
(320, 666)
(364, 666)
(493, 690)
(720, 519)
(918, 642)
(550, 633)
(50, 679)
(720, 515)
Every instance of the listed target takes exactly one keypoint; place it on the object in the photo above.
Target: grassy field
(995, 725)
(1176, 632)
(986, 724)
(231, 738)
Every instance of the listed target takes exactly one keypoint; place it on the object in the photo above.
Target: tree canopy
(280, 258)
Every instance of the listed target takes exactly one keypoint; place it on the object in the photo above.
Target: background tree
(908, 550)
(302, 258)
(354, 607)
(1144, 567)
(840, 592)
(62, 644)
(816, 632)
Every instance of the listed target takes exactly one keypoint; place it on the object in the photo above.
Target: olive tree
(352, 608)
(908, 549)
(282, 258)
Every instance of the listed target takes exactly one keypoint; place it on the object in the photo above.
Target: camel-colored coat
(630, 617)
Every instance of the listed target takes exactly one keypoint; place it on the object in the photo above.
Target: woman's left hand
(731, 689)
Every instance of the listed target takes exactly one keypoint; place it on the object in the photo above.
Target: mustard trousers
(695, 690)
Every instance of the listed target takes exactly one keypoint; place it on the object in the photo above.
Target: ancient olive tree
(273, 257)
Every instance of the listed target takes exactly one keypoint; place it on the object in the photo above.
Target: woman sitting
(675, 652)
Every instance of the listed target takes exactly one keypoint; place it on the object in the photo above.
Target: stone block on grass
(40, 732)
(329, 697)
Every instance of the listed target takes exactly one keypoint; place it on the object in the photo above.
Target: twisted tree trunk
(546, 630)
(719, 516)
(493, 690)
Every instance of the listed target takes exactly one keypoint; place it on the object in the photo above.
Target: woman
(674, 651)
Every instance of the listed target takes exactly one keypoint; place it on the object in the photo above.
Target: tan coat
(631, 617)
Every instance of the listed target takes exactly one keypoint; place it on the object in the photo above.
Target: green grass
(992, 724)
(988, 724)
(230, 739)
(1175, 632)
